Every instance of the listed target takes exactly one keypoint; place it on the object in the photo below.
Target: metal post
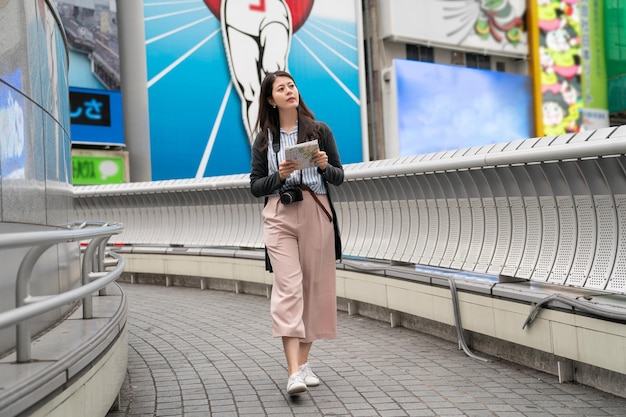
(86, 269)
(100, 262)
(371, 106)
(22, 294)
(134, 82)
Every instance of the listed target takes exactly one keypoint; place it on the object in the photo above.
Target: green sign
(617, 94)
(92, 170)
(593, 57)
(615, 33)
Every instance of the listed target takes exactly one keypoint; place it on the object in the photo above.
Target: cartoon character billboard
(206, 60)
(485, 26)
(571, 65)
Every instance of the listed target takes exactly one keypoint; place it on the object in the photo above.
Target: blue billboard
(96, 117)
(445, 107)
(13, 142)
(206, 60)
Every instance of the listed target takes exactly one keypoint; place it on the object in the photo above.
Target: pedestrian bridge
(514, 250)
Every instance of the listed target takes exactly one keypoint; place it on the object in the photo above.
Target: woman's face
(284, 94)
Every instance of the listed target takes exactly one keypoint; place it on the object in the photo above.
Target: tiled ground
(200, 353)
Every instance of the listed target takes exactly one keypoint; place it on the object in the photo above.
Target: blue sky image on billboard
(445, 107)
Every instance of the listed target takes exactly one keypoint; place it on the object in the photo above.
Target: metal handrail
(590, 149)
(614, 145)
(74, 232)
(28, 306)
(584, 306)
(454, 298)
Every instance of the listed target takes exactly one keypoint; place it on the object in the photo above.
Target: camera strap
(317, 200)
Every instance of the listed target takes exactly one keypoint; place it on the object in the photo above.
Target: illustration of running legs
(257, 38)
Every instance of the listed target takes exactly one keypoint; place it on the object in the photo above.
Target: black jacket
(262, 183)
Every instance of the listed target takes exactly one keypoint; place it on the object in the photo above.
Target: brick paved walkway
(200, 353)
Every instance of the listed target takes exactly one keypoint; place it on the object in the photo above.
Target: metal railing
(548, 210)
(93, 275)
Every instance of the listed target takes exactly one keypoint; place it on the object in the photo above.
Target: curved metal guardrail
(94, 276)
(549, 209)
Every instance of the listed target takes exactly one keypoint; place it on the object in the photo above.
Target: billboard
(615, 33)
(486, 27)
(445, 107)
(571, 63)
(96, 117)
(94, 168)
(206, 60)
(12, 127)
(91, 29)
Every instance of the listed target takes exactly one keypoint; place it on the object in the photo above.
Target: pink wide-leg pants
(301, 245)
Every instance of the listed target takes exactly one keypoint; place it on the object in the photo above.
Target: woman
(301, 234)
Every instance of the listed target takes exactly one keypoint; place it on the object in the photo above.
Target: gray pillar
(134, 81)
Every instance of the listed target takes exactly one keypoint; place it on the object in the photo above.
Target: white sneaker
(295, 384)
(310, 379)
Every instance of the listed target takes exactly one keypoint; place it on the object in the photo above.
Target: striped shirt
(310, 176)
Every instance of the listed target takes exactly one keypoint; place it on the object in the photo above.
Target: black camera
(290, 195)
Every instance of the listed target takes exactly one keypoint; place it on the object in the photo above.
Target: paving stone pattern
(198, 353)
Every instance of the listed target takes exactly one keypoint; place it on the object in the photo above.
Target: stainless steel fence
(550, 209)
(96, 259)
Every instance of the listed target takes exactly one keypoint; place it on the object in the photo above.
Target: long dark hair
(268, 116)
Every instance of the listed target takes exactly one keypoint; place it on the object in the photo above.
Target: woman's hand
(285, 169)
(321, 160)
